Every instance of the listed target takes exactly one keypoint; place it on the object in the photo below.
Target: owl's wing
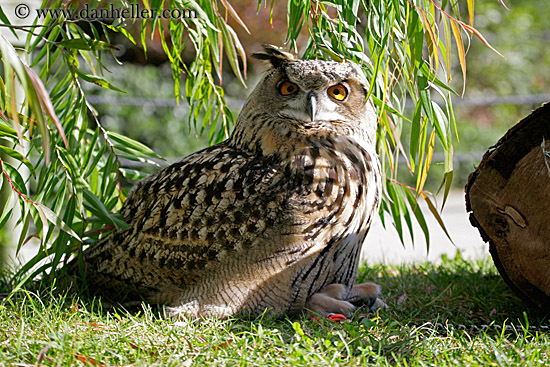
(223, 211)
(217, 202)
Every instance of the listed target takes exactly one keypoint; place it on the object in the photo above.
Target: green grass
(51, 330)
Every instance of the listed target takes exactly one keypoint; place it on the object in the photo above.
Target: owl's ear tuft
(275, 55)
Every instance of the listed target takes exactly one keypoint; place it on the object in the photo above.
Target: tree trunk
(508, 197)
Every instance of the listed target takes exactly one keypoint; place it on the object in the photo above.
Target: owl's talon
(378, 304)
(337, 299)
(329, 300)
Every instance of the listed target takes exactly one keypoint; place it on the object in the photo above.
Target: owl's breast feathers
(222, 209)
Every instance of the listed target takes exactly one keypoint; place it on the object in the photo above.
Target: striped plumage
(265, 220)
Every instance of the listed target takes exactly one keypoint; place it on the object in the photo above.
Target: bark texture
(508, 198)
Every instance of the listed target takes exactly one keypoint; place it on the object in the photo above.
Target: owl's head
(310, 97)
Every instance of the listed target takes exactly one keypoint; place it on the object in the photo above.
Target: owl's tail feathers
(275, 55)
(80, 279)
(91, 282)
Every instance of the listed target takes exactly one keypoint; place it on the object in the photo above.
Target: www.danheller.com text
(110, 12)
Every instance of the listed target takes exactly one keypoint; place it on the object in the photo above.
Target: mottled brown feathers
(264, 220)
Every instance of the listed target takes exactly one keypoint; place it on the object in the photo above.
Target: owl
(270, 220)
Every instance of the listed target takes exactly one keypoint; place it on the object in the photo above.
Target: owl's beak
(311, 105)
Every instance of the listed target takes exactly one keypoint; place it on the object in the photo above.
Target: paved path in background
(383, 245)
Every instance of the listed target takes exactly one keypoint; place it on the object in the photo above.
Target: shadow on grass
(455, 292)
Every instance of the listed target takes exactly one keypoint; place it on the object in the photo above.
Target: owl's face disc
(308, 98)
(316, 91)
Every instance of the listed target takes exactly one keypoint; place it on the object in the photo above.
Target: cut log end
(508, 198)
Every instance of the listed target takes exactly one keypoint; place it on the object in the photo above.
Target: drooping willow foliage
(64, 176)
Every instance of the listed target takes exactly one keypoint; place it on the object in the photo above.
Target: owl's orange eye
(338, 92)
(288, 88)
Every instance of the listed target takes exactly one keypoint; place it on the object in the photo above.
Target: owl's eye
(288, 88)
(338, 92)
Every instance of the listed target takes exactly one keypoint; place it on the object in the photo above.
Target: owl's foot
(366, 294)
(337, 298)
(330, 300)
